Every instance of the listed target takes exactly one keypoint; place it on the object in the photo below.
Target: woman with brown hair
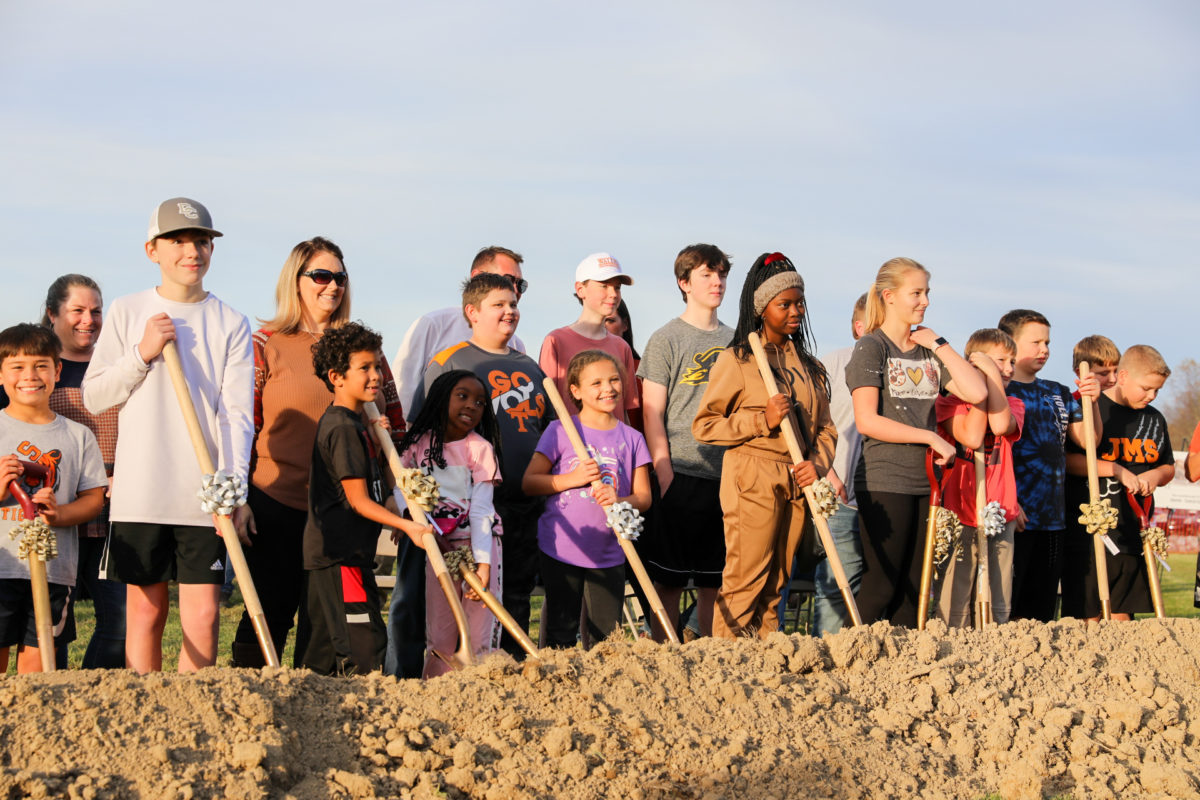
(73, 312)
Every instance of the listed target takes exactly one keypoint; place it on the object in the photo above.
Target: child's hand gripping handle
(1093, 476)
(233, 545)
(797, 453)
(465, 655)
(635, 561)
(501, 613)
(39, 584)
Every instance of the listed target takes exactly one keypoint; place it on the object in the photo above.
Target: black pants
(519, 519)
(347, 635)
(892, 529)
(567, 587)
(276, 560)
(1037, 569)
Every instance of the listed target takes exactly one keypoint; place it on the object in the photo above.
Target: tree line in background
(1181, 404)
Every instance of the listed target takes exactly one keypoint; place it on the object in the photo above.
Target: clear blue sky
(1029, 154)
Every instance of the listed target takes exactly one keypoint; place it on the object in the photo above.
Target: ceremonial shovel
(568, 425)
(935, 500)
(233, 545)
(1093, 476)
(468, 575)
(43, 624)
(797, 454)
(1143, 515)
(983, 581)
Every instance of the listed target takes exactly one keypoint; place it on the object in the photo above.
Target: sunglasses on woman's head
(322, 277)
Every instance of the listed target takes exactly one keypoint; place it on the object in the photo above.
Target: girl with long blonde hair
(895, 375)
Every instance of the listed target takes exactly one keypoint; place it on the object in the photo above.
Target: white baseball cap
(600, 267)
(179, 214)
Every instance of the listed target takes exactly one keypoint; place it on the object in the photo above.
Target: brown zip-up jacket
(733, 409)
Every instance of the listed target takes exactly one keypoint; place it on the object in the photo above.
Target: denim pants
(405, 655)
(829, 609)
(106, 650)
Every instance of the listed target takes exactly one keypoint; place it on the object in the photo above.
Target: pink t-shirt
(563, 344)
(958, 486)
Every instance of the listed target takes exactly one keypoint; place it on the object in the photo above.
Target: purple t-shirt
(572, 528)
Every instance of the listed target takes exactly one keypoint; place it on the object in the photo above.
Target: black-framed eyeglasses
(519, 284)
(322, 277)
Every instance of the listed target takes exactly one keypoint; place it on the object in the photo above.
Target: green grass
(1178, 585)
(1177, 599)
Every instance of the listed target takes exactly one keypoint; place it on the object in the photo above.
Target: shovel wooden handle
(1093, 478)
(1155, 584)
(983, 582)
(233, 545)
(797, 454)
(497, 608)
(935, 500)
(1143, 514)
(465, 654)
(41, 612)
(635, 561)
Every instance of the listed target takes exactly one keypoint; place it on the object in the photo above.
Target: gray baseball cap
(179, 214)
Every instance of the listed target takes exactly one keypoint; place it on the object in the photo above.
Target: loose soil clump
(1024, 710)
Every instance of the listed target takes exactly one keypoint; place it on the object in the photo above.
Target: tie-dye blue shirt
(1039, 456)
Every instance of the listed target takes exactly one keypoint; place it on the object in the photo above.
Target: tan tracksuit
(764, 509)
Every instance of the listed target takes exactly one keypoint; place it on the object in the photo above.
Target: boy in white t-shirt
(159, 532)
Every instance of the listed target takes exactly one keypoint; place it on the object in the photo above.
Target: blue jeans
(106, 650)
(829, 609)
(405, 654)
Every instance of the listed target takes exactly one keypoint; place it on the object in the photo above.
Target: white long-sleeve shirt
(426, 337)
(841, 409)
(156, 475)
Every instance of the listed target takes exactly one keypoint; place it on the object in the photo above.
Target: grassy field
(1177, 598)
(1178, 586)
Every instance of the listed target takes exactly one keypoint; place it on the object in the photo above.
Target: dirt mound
(1025, 710)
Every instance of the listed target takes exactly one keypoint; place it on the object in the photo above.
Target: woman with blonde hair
(312, 296)
(895, 375)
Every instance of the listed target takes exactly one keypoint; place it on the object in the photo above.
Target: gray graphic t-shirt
(70, 452)
(680, 356)
(909, 383)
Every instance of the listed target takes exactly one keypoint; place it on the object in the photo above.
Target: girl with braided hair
(455, 438)
(761, 490)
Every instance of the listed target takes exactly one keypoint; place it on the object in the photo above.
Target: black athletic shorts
(687, 540)
(145, 553)
(17, 625)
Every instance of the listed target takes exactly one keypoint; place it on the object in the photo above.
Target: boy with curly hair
(346, 513)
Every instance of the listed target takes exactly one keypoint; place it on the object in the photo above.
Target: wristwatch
(939, 341)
